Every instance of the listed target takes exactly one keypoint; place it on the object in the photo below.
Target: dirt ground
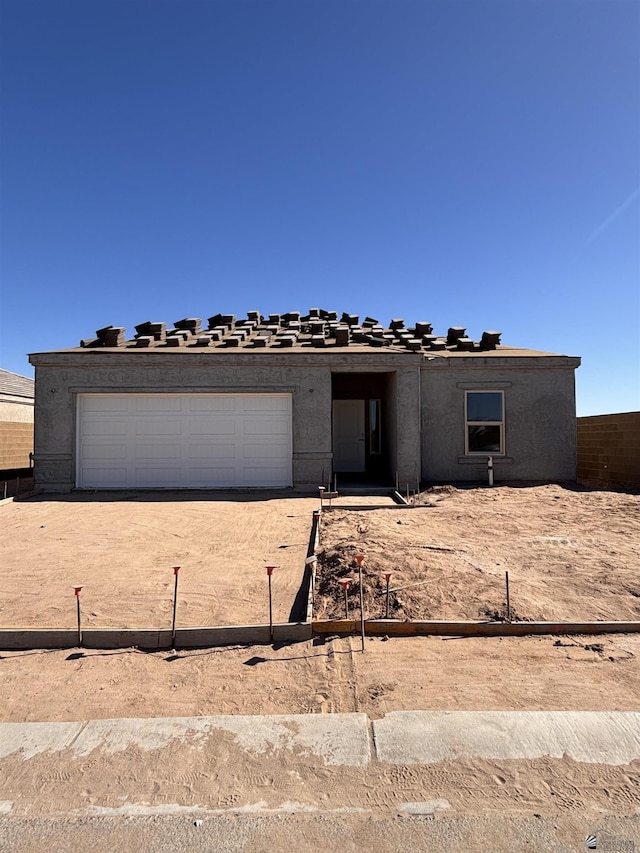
(122, 549)
(326, 676)
(572, 555)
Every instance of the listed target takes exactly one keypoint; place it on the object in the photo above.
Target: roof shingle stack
(318, 328)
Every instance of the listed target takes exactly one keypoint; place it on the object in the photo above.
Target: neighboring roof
(317, 329)
(15, 385)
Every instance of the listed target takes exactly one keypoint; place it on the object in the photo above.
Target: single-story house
(287, 400)
(16, 420)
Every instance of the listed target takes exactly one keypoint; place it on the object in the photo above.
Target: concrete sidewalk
(401, 737)
(451, 781)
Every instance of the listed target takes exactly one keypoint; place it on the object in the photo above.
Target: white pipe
(490, 470)
(312, 564)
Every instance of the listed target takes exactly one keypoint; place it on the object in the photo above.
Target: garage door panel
(158, 426)
(262, 427)
(184, 440)
(206, 403)
(276, 450)
(158, 403)
(264, 404)
(210, 451)
(106, 427)
(104, 452)
(220, 474)
(158, 452)
(159, 475)
(102, 477)
(108, 403)
(270, 475)
(225, 426)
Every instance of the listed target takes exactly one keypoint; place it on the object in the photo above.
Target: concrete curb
(399, 738)
(392, 628)
(337, 739)
(429, 737)
(312, 551)
(151, 639)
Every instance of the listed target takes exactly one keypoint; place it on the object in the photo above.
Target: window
(484, 415)
(375, 434)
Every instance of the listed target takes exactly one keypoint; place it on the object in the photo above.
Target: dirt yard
(122, 549)
(572, 555)
(326, 676)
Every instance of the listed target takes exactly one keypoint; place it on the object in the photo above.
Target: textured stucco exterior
(539, 426)
(61, 377)
(16, 431)
(16, 411)
(424, 418)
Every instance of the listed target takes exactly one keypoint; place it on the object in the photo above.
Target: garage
(183, 440)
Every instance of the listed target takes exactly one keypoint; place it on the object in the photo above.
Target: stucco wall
(16, 433)
(424, 419)
(609, 448)
(60, 377)
(15, 411)
(540, 433)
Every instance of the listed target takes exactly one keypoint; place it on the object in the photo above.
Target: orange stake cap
(176, 569)
(345, 583)
(77, 589)
(358, 558)
(387, 576)
(270, 570)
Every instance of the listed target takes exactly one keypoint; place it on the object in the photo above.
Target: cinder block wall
(609, 448)
(16, 443)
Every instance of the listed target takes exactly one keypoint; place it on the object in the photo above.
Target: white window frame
(468, 423)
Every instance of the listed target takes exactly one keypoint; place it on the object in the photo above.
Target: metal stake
(5, 489)
(176, 569)
(387, 577)
(345, 584)
(506, 574)
(359, 558)
(77, 589)
(269, 573)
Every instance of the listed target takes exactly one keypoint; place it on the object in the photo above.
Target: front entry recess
(348, 436)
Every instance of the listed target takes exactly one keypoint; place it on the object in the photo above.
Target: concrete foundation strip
(428, 737)
(451, 628)
(124, 638)
(399, 738)
(292, 632)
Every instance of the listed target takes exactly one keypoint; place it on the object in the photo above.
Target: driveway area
(122, 549)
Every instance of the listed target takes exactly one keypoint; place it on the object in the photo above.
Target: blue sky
(465, 163)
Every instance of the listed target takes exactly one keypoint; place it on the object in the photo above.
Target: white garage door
(183, 440)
